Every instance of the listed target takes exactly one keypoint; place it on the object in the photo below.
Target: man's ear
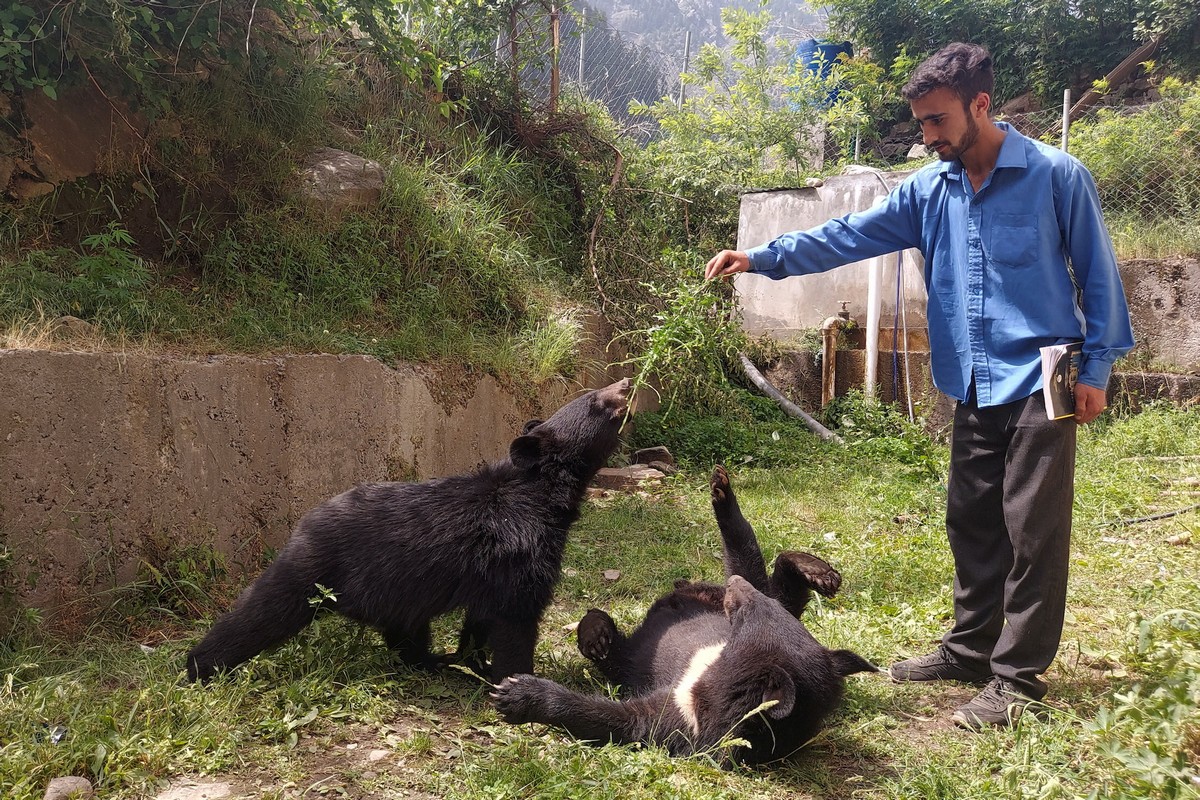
(983, 103)
(526, 451)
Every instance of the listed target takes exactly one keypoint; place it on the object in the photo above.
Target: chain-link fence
(1145, 158)
(603, 64)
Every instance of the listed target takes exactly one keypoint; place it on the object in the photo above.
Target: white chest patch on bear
(702, 659)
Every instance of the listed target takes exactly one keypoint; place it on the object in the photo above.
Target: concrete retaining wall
(105, 459)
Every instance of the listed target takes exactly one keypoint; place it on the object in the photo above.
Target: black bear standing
(396, 555)
(709, 661)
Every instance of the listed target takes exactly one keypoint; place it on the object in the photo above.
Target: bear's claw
(719, 483)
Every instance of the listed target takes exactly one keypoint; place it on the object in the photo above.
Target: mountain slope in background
(661, 24)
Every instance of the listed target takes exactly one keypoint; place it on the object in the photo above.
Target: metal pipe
(874, 314)
(789, 408)
(829, 334)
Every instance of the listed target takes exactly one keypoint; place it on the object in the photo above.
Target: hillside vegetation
(503, 219)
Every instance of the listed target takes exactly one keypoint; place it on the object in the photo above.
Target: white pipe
(904, 333)
(874, 311)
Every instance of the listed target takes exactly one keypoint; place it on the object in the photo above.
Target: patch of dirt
(356, 762)
(930, 718)
(451, 385)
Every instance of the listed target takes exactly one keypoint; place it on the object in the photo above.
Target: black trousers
(1008, 519)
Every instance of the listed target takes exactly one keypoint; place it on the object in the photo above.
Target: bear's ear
(526, 451)
(530, 425)
(780, 688)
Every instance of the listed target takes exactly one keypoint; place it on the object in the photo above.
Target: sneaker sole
(982, 680)
(975, 724)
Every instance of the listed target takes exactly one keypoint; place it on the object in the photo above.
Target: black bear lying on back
(396, 555)
(709, 661)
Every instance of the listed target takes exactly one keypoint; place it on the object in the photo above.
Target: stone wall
(107, 460)
(1164, 300)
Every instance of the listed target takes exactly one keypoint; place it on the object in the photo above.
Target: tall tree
(1042, 46)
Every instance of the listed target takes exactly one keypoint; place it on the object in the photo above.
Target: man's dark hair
(962, 67)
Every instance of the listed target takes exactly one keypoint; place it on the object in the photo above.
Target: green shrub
(881, 431)
(745, 430)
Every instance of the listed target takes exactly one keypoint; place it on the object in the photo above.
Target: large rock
(340, 181)
(626, 478)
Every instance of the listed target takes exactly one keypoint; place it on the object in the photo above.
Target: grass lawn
(328, 716)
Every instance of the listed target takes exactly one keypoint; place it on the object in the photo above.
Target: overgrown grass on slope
(1122, 719)
(474, 253)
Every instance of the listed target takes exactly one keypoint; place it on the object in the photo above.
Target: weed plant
(1122, 719)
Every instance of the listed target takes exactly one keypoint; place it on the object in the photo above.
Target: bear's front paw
(519, 698)
(596, 632)
(814, 571)
(719, 483)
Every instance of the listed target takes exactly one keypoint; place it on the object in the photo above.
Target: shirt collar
(1012, 153)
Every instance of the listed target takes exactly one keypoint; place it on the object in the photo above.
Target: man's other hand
(1089, 402)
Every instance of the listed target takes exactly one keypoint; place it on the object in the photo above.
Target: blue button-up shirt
(1024, 262)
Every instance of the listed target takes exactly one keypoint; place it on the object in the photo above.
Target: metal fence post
(687, 52)
(1066, 117)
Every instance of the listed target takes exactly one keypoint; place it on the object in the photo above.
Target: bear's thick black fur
(397, 555)
(708, 662)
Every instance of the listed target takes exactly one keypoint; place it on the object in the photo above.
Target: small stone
(625, 477)
(73, 326)
(68, 788)
(196, 790)
(377, 755)
(612, 574)
(648, 455)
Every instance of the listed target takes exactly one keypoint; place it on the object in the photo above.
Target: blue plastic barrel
(818, 56)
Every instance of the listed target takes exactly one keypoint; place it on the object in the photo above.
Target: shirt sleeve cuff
(763, 259)
(1095, 372)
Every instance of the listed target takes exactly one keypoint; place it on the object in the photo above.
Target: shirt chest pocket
(1012, 239)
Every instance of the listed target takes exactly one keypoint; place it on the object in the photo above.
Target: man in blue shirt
(1016, 257)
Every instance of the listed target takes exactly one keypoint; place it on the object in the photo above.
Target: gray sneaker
(997, 706)
(937, 666)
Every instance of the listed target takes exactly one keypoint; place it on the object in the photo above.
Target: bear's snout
(738, 592)
(615, 397)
